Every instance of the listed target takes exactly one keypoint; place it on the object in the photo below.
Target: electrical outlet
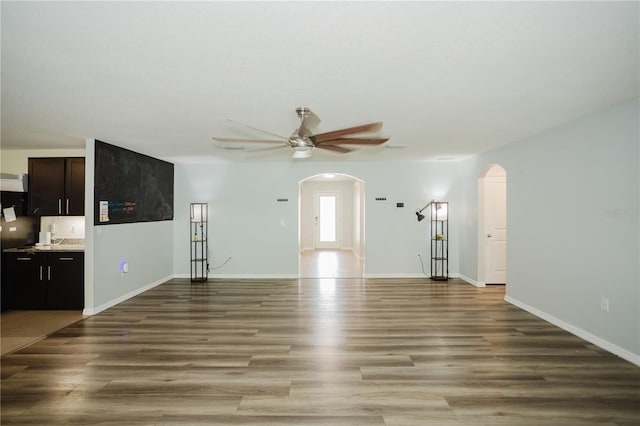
(124, 267)
(604, 304)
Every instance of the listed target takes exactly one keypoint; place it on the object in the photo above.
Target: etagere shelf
(439, 240)
(199, 242)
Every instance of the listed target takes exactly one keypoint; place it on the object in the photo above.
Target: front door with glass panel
(327, 220)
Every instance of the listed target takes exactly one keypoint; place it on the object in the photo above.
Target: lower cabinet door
(65, 280)
(26, 276)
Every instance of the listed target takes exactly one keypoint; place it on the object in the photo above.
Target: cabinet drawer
(65, 258)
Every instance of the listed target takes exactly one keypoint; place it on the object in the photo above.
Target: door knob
(488, 235)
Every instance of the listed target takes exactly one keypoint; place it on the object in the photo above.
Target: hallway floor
(330, 264)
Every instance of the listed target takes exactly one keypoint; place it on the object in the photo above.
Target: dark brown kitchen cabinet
(74, 186)
(65, 280)
(26, 283)
(46, 280)
(56, 186)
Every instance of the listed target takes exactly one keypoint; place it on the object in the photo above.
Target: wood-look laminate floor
(317, 352)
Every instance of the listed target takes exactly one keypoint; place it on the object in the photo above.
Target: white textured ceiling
(448, 79)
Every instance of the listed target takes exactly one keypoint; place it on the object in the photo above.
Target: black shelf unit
(439, 213)
(199, 242)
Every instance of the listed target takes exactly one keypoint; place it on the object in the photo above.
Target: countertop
(64, 246)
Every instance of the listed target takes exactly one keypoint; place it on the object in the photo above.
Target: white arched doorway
(331, 226)
(492, 226)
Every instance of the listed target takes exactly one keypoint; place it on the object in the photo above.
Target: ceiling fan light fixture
(302, 151)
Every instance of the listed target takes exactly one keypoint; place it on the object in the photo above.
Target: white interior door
(495, 230)
(327, 220)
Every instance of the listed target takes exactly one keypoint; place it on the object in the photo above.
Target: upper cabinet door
(74, 187)
(56, 186)
(46, 186)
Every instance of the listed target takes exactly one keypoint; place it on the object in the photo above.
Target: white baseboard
(357, 255)
(294, 276)
(470, 280)
(256, 276)
(105, 306)
(244, 276)
(290, 276)
(604, 344)
(395, 276)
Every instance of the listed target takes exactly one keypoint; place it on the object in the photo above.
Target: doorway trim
(484, 210)
(355, 231)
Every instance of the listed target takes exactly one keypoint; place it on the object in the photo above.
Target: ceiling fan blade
(269, 148)
(335, 148)
(353, 141)
(309, 123)
(368, 128)
(258, 130)
(215, 138)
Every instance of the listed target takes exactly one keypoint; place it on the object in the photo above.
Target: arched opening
(492, 226)
(331, 226)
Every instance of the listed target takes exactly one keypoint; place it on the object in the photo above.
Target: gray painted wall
(147, 247)
(573, 224)
(261, 235)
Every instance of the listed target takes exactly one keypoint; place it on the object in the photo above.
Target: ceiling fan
(303, 141)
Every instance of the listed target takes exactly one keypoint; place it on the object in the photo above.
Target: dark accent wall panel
(131, 187)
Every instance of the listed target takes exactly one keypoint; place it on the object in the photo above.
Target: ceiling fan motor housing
(300, 143)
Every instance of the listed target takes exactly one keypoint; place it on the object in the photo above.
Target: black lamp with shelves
(199, 245)
(439, 236)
